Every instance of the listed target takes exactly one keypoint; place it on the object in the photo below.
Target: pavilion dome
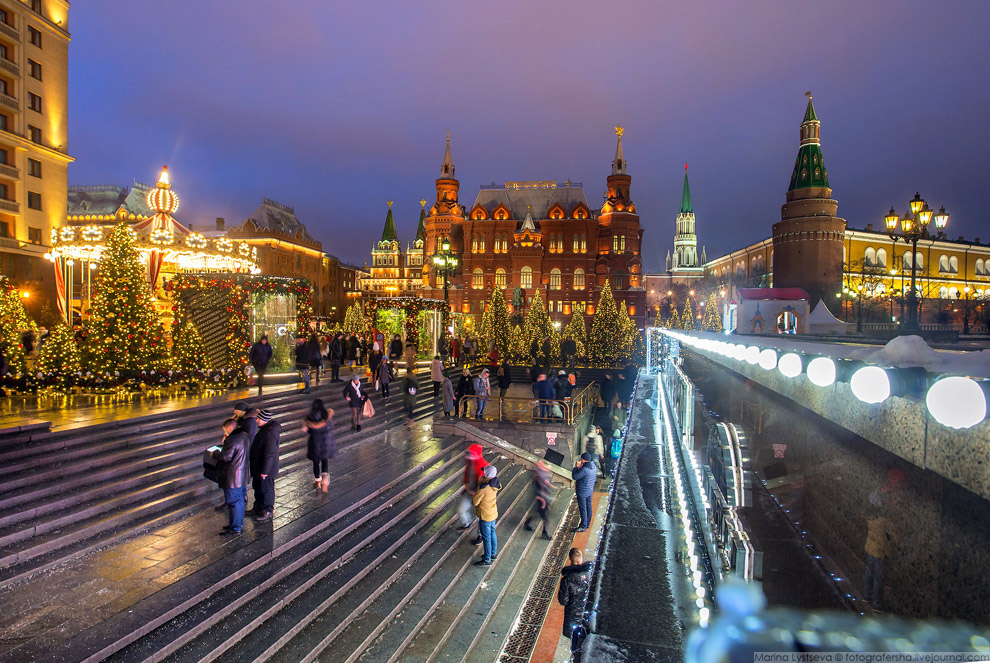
(161, 199)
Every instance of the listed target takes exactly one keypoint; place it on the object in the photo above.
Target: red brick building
(542, 236)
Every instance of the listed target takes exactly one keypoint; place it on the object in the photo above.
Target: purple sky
(337, 107)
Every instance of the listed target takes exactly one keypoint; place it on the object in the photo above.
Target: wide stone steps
(333, 553)
(113, 494)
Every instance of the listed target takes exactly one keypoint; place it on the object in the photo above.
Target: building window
(34, 134)
(619, 280)
(943, 292)
(477, 279)
(555, 279)
(34, 200)
(3, 122)
(979, 266)
(580, 243)
(526, 277)
(34, 102)
(3, 192)
(4, 229)
(34, 235)
(34, 167)
(579, 279)
(34, 69)
(622, 243)
(615, 243)
(36, 5)
(943, 263)
(500, 277)
(34, 36)
(869, 257)
(3, 156)
(882, 258)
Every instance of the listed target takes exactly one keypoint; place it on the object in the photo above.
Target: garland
(412, 307)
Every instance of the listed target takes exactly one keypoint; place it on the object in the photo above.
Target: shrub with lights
(59, 363)
(13, 323)
(604, 342)
(189, 364)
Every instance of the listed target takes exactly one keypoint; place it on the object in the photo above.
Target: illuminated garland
(239, 289)
(412, 307)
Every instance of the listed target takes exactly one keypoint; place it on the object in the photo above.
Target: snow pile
(901, 351)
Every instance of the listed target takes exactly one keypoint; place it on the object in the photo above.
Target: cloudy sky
(336, 107)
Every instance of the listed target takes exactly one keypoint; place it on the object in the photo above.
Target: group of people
(250, 450)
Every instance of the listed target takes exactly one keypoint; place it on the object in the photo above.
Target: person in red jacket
(474, 472)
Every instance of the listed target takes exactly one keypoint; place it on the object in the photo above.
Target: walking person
(569, 349)
(465, 387)
(449, 399)
(314, 357)
(545, 394)
(395, 348)
(487, 508)
(482, 389)
(544, 494)
(504, 378)
(303, 363)
(355, 397)
(409, 354)
(384, 377)
(474, 472)
(594, 445)
(350, 351)
(455, 351)
(321, 445)
(324, 351)
(260, 356)
(409, 388)
(336, 356)
(233, 461)
(574, 581)
(264, 464)
(607, 390)
(374, 360)
(584, 474)
(436, 375)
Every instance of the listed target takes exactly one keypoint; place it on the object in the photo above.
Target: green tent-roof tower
(388, 233)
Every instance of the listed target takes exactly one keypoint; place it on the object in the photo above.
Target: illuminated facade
(395, 271)
(34, 48)
(541, 237)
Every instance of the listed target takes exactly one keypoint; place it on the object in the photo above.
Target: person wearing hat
(584, 474)
(487, 509)
(244, 418)
(233, 474)
(355, 397)
(482, 389)
(544, 493)
(264, 464)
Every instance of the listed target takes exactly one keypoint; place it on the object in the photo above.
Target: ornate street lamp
(914, 226)
(444, 263)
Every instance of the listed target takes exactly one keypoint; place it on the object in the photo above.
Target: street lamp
(966, 315)
(914, 226)
(444, 263)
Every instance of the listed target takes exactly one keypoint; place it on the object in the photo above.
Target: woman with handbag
(384, 376)
(355, 397)
(321, 446)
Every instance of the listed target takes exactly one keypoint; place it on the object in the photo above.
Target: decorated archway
(412, 307)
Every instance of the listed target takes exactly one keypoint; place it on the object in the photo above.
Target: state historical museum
(537, 236)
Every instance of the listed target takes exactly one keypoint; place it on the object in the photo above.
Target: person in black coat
(356, 397)
(573, 591)
(351, 350)
(607, 390)
(264, 464)
(321, 446)
(395, 348)
(302, 362)
(313, 353)
(504, 378)
(260, 356)
(568, 348)
(465, 387)
(336, 356)
(233, 457)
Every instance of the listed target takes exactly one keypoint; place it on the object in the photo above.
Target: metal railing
(520, 409)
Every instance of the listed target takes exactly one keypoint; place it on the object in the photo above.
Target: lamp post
(914, 226)
(966, 314)
(444, 263)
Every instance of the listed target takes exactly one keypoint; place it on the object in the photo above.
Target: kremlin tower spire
(807, 242)
(685, 238)
(619, 163)
(447, 168)
(388, 233)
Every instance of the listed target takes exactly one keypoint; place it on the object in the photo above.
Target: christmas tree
(485, 333)
(604, 341)
(498, 312)
(575, 329)
(627, 333)
(537, 323)
(123, 327)
(188, 356)
(518, 347)
(687, 315)
(712, 320)
(59, 360)
(354, 320)
(13, 323)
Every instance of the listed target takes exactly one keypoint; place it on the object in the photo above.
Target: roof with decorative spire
(619, 163)
(447, 168)
(686, 195)
(388, 233)
(809, 167)
(421, 229)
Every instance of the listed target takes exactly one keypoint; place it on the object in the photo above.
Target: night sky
(337, 107)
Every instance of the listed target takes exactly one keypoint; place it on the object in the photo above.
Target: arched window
(979, 266)
(615, 243)
(906, 260)
(740, 269)
(500, 277)
(954, 265)
(477, 279)
(555, 279)
(579, 279)
(474, 244)
(869, 257)
(882, 258)
(481, 243)
(943, 293)
(953, 293)
(920, 259)
(526, 277)
(943, 263)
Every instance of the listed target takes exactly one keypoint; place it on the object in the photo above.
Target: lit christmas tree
(124, 336)
(604, 342)
(518, 347)
(13, 323)
(575, 329)
(627, 333)
(59, 360)
(188, 356)
(498, 312)
(538, 325)
(485, 332)
(354, 320)
(712, 320)
(687, 315)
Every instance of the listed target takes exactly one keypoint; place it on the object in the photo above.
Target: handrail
(570, 408)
